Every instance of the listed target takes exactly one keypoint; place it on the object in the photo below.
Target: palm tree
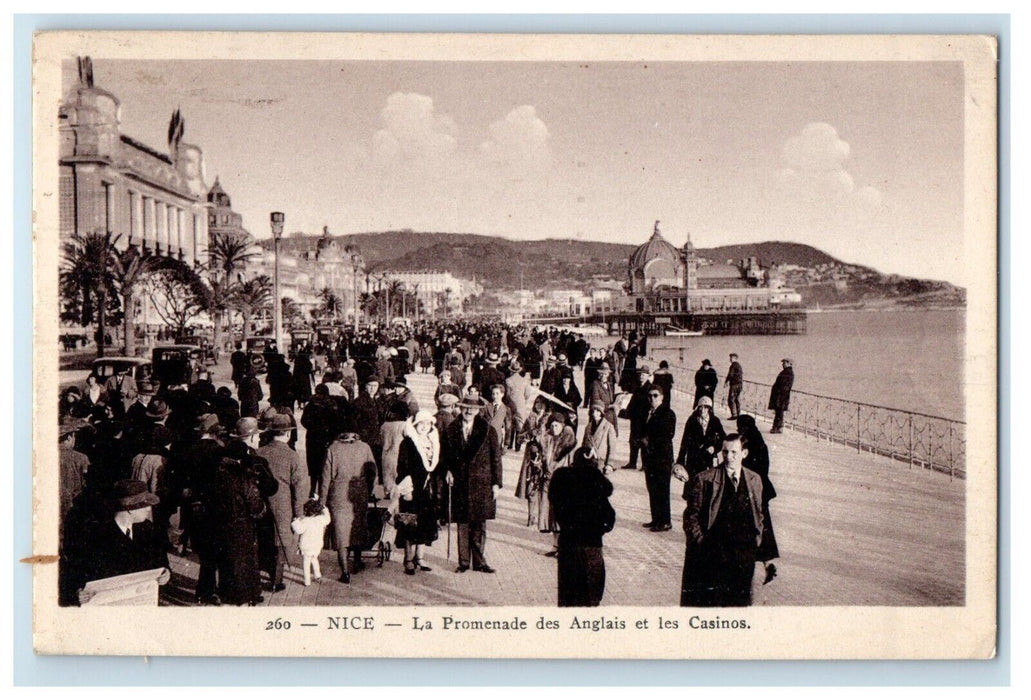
(86, 278)
(291, 311)
(331, 303)
(250, 298)
(129, 269)
(369, 303)
(395, 292)
(228, 254)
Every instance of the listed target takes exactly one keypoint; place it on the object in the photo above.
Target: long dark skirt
(581, 576)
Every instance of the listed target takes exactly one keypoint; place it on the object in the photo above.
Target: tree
(251, 298)
(86, 281)
(228, 254)
(177, 294)
(331, 303)
(369, 304)
(129, 270)
(291, 310)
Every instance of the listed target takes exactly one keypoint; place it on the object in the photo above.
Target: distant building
(110, 182)
(432, 286)
(221, 217)
(666, 279)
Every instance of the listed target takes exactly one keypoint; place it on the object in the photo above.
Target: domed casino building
(654, 264)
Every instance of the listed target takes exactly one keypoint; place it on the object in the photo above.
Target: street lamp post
(277, 219)
(386, 279)
(356, 261)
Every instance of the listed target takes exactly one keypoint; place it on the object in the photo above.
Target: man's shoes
(776, 431)
(484, 569)
(649, 524)
(629, 466)
(662, 528)
(422, 567)
(551, 553)
(209, 600)
(345, 577)
(275, 588)
(771, 573)
(257, 601)
(461, 569)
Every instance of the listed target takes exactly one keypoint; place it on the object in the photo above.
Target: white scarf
(428, 446)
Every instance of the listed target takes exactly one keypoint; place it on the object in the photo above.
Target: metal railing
(921, 440)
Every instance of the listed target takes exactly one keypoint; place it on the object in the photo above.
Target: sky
(862, 160)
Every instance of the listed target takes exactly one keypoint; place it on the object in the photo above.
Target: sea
(909, 360)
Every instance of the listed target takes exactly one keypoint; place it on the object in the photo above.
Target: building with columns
(112, 183)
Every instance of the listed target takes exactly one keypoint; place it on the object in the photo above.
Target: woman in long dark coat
(322, 422)
(280, 383)
(347, 478)
(702, 440)
(417, 462)
(250, 394)
(758, 460)
(238, 506)
(304, 376)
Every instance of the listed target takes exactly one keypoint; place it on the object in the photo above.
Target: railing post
(910, 440)
(859, 431)
(952, 467)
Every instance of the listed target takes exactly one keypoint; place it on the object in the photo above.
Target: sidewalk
(852, 529)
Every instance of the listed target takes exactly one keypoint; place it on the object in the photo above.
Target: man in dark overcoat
(249, 393)
(780, 395)
(705, 382)
(367, 411)
(724, 525)
(657, 457)
(471, 455)
(637, 411)
(735, 381)
(322, 422)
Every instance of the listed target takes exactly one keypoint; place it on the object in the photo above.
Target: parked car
(256, 348)
(140, 368)
(176, 364)
(207, 348)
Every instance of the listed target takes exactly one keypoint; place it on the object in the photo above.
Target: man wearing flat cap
(126, 541)
(471, 455)
(780, 394)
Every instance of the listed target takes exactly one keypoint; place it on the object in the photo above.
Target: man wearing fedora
(637, 413)
(705, 382)
(490, 374)
(126, 541)
(287, 502)
(471, 454)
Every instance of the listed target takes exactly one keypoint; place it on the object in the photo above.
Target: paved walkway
(852, 529)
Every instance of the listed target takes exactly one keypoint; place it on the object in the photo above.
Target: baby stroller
(378, 536)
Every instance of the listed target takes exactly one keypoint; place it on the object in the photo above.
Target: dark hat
(497, 385)
(73, 390)
(160, 436)
(400, 381)
(245, 427)
(266, 415)
(665, 365)
(493, 359)
(373, 378)
(206, 423)
(130, 494)
(551, 359)
(471, 401)
(145, 388)
(556, 417)
(280, 423)
(600, 405)
(706, 362)
(604, 367)
(158, 409)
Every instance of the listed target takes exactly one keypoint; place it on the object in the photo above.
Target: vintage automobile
(176, 364)
(207, 348)
(297, 339)
(256, 348)
(139, 368)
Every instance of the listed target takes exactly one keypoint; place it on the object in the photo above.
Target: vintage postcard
(638, 347)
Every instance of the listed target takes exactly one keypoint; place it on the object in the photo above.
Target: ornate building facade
(112, 183)
(663, 278)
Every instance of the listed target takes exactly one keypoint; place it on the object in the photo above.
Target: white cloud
(520, 138)
(413, 130)
(815, 170)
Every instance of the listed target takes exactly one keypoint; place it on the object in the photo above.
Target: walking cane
(449, 522)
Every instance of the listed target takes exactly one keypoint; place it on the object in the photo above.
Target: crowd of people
(225, 477)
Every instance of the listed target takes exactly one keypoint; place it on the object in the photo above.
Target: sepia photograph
(632, 347)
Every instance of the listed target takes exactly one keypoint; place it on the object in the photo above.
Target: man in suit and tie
(724, 526)
(660, 422)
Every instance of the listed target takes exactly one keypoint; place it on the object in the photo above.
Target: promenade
(853, 529)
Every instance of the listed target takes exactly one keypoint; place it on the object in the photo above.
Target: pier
(652, 323)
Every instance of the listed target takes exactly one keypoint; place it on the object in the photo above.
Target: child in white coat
(310, 530)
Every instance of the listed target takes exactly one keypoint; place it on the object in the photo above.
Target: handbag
(406, 520)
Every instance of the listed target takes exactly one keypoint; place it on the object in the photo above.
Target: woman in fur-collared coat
(420, 485)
